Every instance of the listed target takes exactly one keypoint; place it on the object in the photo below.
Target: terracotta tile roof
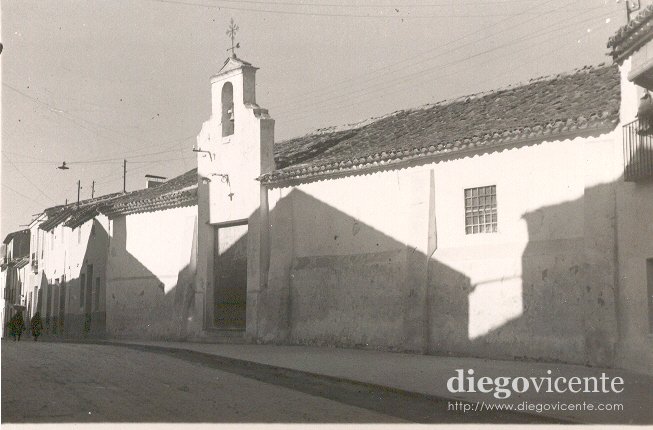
(19, 262)
(85, 212)
(632, 35)
(176, 192)
(73, 214)
(561, 105)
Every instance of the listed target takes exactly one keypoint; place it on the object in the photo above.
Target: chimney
(153, 180)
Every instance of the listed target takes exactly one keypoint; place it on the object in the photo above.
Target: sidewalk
(426, 374)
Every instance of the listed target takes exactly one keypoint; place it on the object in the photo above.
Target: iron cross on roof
(231, 32)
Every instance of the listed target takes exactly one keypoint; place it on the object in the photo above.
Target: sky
(95, 82)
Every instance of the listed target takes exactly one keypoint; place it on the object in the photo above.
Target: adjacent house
(35, 276)
(15, 270)
(632, 49)
(119, 265)
(75, 244)
(150, 267)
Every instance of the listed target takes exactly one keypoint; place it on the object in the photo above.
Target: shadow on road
(414, 407)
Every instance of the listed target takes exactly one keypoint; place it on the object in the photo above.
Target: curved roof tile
(571, 103)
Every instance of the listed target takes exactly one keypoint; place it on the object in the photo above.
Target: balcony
(638, 150)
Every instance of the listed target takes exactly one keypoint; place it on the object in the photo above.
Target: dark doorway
(230, 268)
(88, 298)
(62, 304)
(649, 282)
(49, 306)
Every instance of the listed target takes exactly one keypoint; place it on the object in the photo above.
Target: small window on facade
(481, 210)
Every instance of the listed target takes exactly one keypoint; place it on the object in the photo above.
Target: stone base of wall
(75, 326)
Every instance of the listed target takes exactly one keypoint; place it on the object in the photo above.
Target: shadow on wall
(344, 283)
(73, 308)
(352, 285)
(137, 303)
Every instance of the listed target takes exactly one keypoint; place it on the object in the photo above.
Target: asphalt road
(68, 382)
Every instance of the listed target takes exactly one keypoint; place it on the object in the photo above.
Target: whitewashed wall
(383, 259)
(151, 275)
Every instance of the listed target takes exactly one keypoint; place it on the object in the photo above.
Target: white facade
(73, 277)
(151, 275)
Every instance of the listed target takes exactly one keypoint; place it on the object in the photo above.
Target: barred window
(481, 210)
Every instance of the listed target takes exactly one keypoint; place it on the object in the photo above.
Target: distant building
(75, 245)
(98, 258)
(15, 261)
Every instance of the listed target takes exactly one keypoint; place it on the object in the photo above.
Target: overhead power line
(23, 195)
(336, 15)
(62, 114)
(378, 6)
(97, 161)
(28, 179)
(402, 82)
(420, 58)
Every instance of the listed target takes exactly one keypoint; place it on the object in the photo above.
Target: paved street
(62, 382)
(67, 382)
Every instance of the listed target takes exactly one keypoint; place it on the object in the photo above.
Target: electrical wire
(310, 101)
(335, 15)
(394, 6)
(22, 195)
(403, 82)
(27, 179)
(60, 112)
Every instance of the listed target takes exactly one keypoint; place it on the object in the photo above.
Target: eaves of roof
(180, 191)
(75, 214)
(562, 106)
(13, 234)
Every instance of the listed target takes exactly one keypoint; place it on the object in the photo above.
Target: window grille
(481, 210)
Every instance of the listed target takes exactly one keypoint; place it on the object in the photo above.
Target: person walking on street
(11, 327)
(36, 325)
(19, 325)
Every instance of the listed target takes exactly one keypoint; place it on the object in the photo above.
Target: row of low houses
(103, 266)
(516, 223)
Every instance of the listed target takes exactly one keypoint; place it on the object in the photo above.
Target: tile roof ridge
(73, 205)
(145, 194)
(516, 85)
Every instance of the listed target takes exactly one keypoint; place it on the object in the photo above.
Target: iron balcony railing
(638, 150)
